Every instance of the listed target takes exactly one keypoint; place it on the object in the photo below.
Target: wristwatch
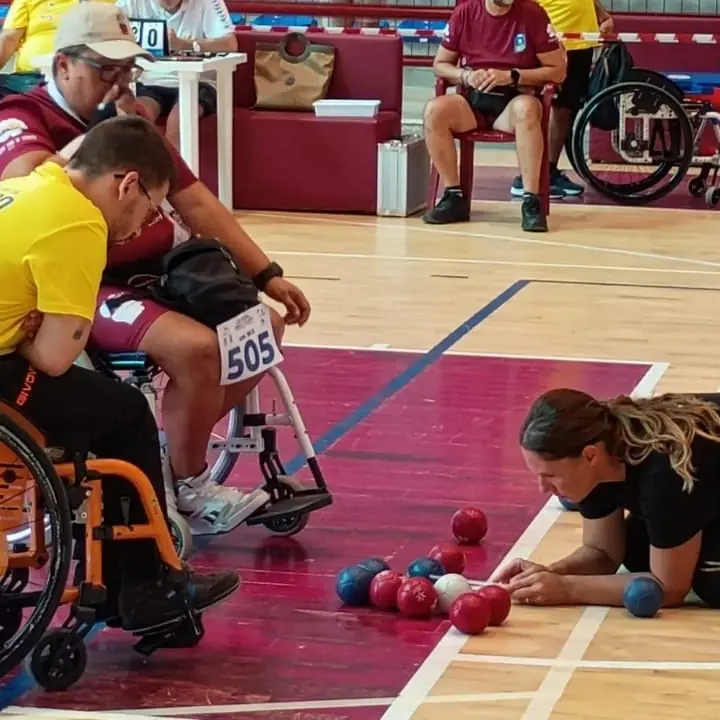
(273, 270)
(515, 77)
(196, 47)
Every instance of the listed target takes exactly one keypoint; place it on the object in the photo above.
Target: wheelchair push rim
(28, 479)
(648, 109)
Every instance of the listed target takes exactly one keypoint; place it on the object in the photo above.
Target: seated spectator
(29, 31)
(500, 53)
(195, 25)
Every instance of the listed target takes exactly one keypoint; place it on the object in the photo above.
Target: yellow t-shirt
(53, 250)
(39, 19)
(572, 16)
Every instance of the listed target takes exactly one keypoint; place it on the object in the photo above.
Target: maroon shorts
(123, 329)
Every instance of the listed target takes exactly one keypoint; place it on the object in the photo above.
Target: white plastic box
(346, 108)
(403, 171)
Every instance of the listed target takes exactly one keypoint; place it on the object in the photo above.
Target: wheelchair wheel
(640, 164)
(59, 660)
(30, 487)
(290, 524)
(225, 461)
(181, 534)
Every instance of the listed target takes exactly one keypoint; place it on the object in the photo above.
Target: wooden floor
(606, 283)
(628, 286)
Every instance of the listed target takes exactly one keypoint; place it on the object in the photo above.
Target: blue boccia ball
(568, 504)
(425, 567)
(374, 565)
(353, 585)
(643, 597)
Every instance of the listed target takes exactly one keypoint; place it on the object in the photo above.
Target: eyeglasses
(154, 209)
(110, 72)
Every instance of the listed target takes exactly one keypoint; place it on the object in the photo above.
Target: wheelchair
(48, 498)
(635, 141)
(249, 431)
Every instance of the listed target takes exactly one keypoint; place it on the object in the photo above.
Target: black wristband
(261, 280)
(103, 112)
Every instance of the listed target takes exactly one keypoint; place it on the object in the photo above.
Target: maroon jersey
(34, 122)
(503, 42)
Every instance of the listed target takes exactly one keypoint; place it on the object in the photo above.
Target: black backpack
(611, 68)
(201, 280)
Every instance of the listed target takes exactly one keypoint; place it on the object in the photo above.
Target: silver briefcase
(403, 175)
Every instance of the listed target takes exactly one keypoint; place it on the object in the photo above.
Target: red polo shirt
(502, 42)
(34, 121)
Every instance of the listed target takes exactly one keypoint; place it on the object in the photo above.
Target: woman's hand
(515, 570)
(539, 587)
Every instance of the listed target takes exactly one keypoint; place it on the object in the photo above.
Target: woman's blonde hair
(562, 422)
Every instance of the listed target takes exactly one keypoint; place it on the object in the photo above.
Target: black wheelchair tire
(223, 466)
(57, 509)
(608, 189)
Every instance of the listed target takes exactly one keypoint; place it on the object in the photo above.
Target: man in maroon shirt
(93, 66)
(500, 52)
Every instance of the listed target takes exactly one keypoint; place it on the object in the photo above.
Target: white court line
(288, 706)
(647, 665)
(506, 238)
(479, 261)
(416, 692)
(384, 347)
(61, 714)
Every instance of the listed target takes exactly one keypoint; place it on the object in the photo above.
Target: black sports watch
(273, 270)
(515, 77)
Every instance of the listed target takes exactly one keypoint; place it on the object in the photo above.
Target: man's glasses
(110, 72)
(154, 209)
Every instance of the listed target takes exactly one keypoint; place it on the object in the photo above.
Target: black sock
(454, 190)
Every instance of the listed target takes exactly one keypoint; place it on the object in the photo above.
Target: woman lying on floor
(658, 458)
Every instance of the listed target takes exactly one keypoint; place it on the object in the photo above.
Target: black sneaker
(533, 217)
(153, 605)
(452, 208)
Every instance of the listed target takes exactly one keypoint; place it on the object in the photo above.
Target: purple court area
(446, 439)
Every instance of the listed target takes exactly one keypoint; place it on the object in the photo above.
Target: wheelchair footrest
(299, 505)
(186, 633)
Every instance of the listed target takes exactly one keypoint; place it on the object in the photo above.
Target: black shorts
(167, 97)
(574, 89)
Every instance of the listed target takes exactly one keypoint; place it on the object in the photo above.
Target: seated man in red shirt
(501, 52)
(95, 62)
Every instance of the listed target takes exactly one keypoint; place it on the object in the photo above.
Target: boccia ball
(470, 613)
(384, 590)
(353, 585)
(469, 525)
(416, 597)
(425, 567)
(450, 557)
(500, 603)
(568, 504)
(643, 597)
(374, 565)
(449, 587)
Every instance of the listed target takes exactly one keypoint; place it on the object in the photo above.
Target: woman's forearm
(586, 560)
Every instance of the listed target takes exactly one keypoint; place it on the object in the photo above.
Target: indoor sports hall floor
(425, 348)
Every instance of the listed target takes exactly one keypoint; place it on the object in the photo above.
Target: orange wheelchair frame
(58, 656)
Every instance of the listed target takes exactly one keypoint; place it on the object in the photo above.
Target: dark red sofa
(294, 161)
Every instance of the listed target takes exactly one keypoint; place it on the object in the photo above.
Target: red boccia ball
(450, 557)
(470, 613)
(469, 525)
(384, 590)
(416, 597)
(500, 603)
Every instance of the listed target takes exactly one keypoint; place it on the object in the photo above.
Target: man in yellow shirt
(29, 30)
(570, 16)
(56, 225)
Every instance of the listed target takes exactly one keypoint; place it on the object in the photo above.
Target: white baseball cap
(102, 27)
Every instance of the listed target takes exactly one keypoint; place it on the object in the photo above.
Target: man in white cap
(93, 66)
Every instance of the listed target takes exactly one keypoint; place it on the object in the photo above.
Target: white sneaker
(211, 508)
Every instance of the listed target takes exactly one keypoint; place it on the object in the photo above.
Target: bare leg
(559, 128)
(523, 117)
(443, 116)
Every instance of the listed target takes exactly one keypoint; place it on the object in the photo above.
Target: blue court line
(23, 682)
